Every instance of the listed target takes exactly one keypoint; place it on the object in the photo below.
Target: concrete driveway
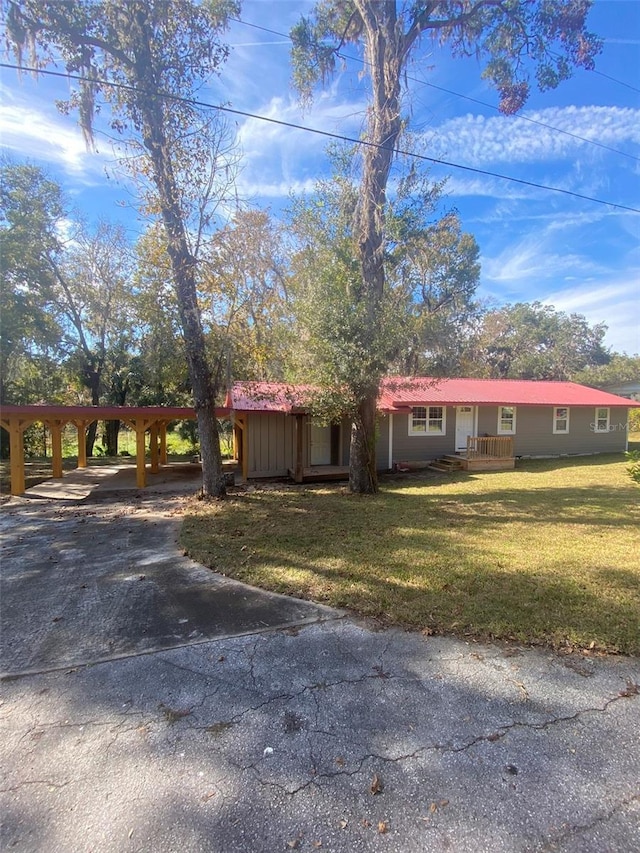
(149, 705)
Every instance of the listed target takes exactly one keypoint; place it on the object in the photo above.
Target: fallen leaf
(294, 843)
(433, 808)
(631, 689)
(344, 823)
(340, 761)
(443, 803)
(317, 844)
(494, 737)
(376, 784)
(383, 826)
(173, 714)
(130, 833)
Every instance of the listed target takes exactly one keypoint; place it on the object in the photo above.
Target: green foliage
(620, 369)
(511, 37)
(342, 346)
(31, 210)
(152, 55)
(534, 341)
(519, 41)
(633, 456)
(243, 286)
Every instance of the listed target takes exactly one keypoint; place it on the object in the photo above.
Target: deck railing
(489, 447)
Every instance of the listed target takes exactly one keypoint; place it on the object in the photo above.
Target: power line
(615, 80)
(350, 139)
(469, 98)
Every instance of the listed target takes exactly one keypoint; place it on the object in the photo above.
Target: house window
(560, 420)
(506, 420)
(428, 420)
(602, 420)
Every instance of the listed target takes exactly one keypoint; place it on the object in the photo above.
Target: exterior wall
(419, 448)
(271, 440)
(272, 444)
(382, 441)
(534, 434)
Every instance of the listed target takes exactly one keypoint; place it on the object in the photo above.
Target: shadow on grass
(484, 563)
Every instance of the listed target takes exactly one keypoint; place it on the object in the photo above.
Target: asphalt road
(134, 717)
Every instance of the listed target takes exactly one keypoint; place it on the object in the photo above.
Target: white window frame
(557, 418)
(426, 420)
(597, 418)
(501, 430)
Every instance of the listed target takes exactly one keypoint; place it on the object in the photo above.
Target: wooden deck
(319, 473)
(488, 453)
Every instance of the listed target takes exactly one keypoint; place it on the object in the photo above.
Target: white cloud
(277, 159)
(477, 140)
(613, 301)
(532, 260)
(26, 130)
(277, 190)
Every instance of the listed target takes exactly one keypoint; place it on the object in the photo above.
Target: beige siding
(535, 437)
(272, 444)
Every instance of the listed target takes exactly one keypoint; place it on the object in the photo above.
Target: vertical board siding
(272, 444)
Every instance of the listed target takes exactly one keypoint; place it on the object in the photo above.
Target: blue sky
(535, 245)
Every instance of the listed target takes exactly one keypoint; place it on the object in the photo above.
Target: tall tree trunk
(183, 267)
(383, 54)
(363, 476)
(111, 435)
(93, 378)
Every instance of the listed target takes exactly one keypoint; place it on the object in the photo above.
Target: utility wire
(195, 103)
(468, 97)
(615, 80)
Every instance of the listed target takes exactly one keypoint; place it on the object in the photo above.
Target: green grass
(548, 553)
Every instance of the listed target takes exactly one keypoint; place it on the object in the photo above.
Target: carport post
(16, 452)
(141, 473)
(81, 426)
(153, 447)
(56, 447)
(163, 443)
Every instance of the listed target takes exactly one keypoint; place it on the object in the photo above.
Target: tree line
(90, 317)
(369, 275)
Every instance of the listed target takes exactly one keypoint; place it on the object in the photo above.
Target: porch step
(448, 464)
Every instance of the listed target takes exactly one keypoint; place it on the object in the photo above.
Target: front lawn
(547, 553)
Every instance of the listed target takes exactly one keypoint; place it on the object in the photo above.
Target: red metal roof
(398, 393)
(268, 397)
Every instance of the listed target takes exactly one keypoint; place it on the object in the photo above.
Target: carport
(141, 419)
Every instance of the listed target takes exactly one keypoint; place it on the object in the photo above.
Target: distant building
(631, 390)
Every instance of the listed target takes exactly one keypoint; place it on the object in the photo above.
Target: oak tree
(517, 39)
(145, 60)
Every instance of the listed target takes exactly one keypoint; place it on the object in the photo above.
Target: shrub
(634, 467)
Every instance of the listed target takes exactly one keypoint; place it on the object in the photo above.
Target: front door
(320, 445)
(465, 426)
